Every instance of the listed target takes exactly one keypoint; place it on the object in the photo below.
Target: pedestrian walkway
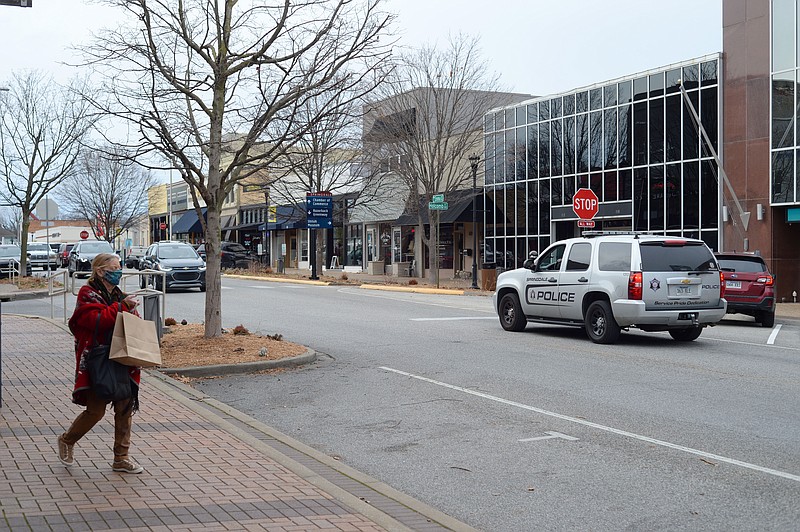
(207, 466)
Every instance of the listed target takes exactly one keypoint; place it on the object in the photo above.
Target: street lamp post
(473, 162)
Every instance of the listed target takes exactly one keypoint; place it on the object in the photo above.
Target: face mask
(113, 277)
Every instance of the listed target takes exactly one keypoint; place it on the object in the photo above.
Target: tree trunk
(23, 242)
(213, 313)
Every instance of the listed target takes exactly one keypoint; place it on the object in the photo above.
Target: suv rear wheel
(686, 335)
(601, 327)
(511, 315)
(766, 319)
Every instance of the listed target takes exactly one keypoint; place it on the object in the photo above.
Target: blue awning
(286, 217)
(189, 223)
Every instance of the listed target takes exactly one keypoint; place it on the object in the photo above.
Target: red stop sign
(585, 203)
(84, 235)
(163, 225)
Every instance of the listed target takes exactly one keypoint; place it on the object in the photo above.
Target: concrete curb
(23, 294)
(418, 290)
(213, 410)
(277, 279)
(217, 370)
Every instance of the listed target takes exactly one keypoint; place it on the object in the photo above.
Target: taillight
(635, 286)
(768, 280)
(721, 283)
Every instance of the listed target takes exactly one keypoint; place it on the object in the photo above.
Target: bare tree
(110, 193)
(42, 127)
(213, 87)
(430, 121)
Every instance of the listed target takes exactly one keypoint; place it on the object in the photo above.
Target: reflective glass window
(614, 257)
(544, 110)
(640, 88)
(499, 120)
(533, 113)
(674, 193)
(596, 141)
(625, 133)
(509, 118)
(656, 198)
(640, 133)
(657, 84)
(610, 186)
(569, 145)
(569, 189)
(596, 184)
(709, 194)
(783, 110)
(582, 142)
(488, 158)
(556, 195)
(581, 102)
(544, 206)
(579, 257)
(640, 199)
(533, 152)
(783, 39)
(610, 139)
(533, 206)
(625, 181)
(797, 178)
(609, 95)
(520, 152)
(582, 181)
(510, 159)
(691, 77)
(625, 92)
(556, 147)
(708, 73)
(657, 131)
(691, 195)
(783, 176)
(708, 115)
(691, 136)
(521, 116)
(499, 161)
(595, 99)
(569, 104)
(555, 108)
(488, 123)
(673, 127)
(673, 81)
(544, 149)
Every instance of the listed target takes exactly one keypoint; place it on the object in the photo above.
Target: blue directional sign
(319, 210)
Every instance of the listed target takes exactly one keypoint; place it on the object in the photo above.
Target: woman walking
(92, 323)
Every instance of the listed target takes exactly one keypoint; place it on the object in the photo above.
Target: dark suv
(232, 255)
(749, 287)
(63, 254)
(83, 253)
(179, 261)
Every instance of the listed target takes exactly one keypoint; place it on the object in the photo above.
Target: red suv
(749, 287)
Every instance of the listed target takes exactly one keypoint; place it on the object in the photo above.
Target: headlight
(201, 268)
(163, 268)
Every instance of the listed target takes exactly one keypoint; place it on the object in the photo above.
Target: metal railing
(12, 268)
(53, 290)
(142, 277)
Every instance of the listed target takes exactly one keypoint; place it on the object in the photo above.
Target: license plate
(733, 284)
(682, 291)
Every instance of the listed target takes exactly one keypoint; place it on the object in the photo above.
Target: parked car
(63, 254)
(10, 255)
(606, 282)
(181, 264)
(135, 254)
(41, 256)
(232, 255)
(749, 286)
(82, 254)
(54, 246)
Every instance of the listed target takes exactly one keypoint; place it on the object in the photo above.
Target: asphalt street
(535, 430)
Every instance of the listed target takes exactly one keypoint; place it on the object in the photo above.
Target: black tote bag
(110, 380)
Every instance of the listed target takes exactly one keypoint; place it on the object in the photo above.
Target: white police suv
(609, 281)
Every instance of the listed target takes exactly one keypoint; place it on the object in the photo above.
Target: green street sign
(437, 206)
(437, 198)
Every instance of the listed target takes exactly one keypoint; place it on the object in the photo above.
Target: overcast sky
(537, 46)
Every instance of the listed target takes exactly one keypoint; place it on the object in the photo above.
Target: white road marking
(552, 435)
(774, 334)
(261, 287)
(227, 288)
(455, 318)
(750, 343)
(597, 426)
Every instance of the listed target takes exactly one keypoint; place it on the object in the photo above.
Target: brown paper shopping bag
(135, 342)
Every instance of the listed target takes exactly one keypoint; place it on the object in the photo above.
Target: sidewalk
(207, 466)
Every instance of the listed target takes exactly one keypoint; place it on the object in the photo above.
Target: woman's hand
(131, 302)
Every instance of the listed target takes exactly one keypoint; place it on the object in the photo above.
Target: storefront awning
(459, 209)
(286, 217)
(189, 223)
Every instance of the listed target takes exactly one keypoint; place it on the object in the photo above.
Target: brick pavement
(207, 466)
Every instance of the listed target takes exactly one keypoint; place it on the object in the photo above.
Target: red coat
(94, 300)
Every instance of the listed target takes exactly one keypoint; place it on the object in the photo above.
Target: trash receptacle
(488, 276)
(280, 264)
(151, 311)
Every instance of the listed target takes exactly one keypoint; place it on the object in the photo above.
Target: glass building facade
(633, 141)
(785, 75)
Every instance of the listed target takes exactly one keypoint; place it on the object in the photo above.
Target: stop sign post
(585, 205)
